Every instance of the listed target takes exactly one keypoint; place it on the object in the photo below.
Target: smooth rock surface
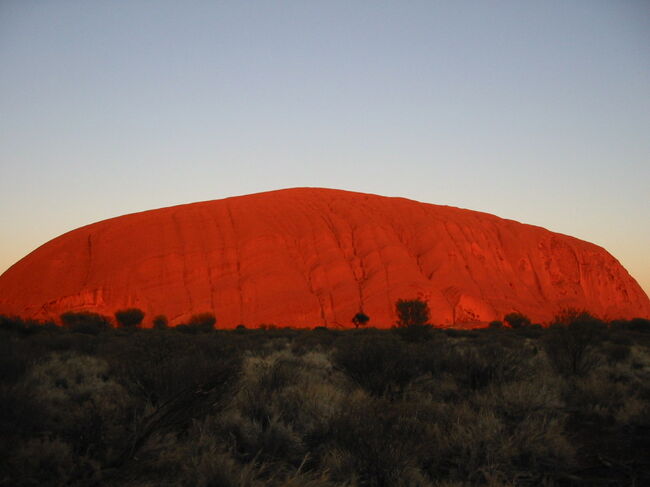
(306, 257)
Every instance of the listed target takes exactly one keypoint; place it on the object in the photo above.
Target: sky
(533, 111)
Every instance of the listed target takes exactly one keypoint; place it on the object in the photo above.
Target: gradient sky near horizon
(534, 111)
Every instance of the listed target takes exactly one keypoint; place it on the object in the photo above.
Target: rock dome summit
(308, 257)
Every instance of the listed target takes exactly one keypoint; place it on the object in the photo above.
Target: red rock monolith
(306, 257)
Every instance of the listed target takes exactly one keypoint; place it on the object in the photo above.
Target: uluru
(308, 257)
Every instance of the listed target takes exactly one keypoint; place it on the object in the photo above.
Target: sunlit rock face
(307, 257)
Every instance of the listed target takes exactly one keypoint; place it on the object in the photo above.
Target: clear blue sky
(538, 111)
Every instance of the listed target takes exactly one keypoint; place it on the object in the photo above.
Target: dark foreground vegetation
(89, 404)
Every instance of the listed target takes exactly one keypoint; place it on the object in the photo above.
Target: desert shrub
(616, 353)
(18, 325)
(49, 461)
(480, 365)
(202, 457)
(476, 445)
(375, 441)
(282, 407)
(160, 322)
(516, 320)
(608, 389)
(533, 331)
(209, 464)
(638, 324)
(495, 325)
(81, 404)
(597, 395)
(12, 324)
(20, 418)
(157, 367)
(63, 340)
(203, 392)
(19, 411)
(412, 312)
(160, 367)
(414, 333)
(202, 322)
(13, 361)
(321, 339)
(571, 340)
(85, 322)
(129, 318)
(516, 400)
(380, 365)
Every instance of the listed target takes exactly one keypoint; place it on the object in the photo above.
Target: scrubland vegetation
(90, 404)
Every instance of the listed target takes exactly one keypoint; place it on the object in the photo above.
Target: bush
(638, 324)
(377, 442)
(202, 322)
(477, 367)
(571, 340)
(379, 365)
(50, 461)
(129, 318)
(12, 323)
(415, 333)
(85, 322)
(413, 312)
(282, 406)
(160, 322)
(516, 320)
(81, 403)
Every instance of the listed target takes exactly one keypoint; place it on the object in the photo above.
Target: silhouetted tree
(516, 320)
(160, 322)
(129, 318)
(360, 319)
(412, 312)
(202, 321)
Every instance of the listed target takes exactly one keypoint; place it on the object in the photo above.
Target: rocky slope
(306, 257)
